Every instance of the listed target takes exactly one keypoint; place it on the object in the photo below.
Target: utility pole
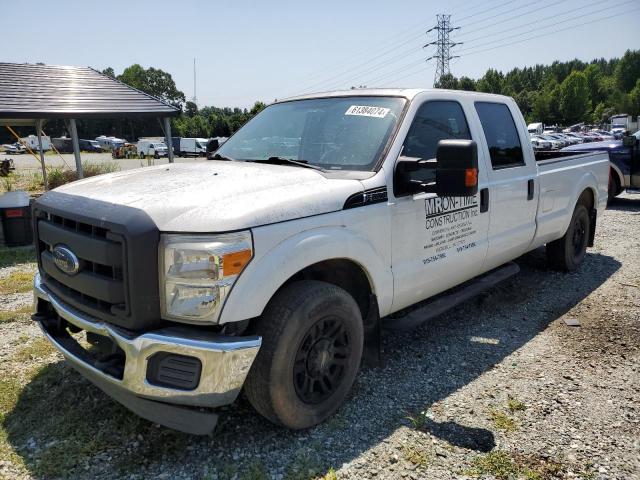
(195, 95)
(443, 46)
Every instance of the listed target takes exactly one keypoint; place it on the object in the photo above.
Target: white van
(152, 148)
(535, 128)
(32, 142)
(193, 147)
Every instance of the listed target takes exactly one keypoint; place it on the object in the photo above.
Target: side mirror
(456, 171)
(457, 168)
(629, 141)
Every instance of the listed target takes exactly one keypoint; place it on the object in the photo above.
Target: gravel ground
(500, 387)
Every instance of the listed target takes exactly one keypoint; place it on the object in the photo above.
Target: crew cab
(271, 268)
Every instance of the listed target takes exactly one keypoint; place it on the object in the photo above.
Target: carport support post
(76, 146)
(44, 170)
(167, 138)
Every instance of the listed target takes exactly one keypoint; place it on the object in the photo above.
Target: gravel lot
(501, 387)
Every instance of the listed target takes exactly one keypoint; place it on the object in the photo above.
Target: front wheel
(568, 252)
(312, 339)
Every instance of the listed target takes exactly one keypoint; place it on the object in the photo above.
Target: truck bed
(563, 176)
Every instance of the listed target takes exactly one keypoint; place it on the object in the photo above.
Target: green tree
(574, 97)
(634, 100)
(627, 70)
(491, 82)
(257, 108)
(153, 81)
(466, 83)
(109, 72)
(190, 109)
(447, 81)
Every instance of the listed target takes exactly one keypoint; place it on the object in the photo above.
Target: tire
(568, 252)
(312, 339)
(614, 186)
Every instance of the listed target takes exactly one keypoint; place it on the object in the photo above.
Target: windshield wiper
(288, 161)
(217, 156)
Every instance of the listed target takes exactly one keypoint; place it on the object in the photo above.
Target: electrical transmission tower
(443, 46)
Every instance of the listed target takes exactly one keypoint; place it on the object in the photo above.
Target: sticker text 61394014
(365, 111)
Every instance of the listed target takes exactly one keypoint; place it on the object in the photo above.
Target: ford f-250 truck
(270, 268)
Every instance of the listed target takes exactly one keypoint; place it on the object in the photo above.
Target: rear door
(511, 185)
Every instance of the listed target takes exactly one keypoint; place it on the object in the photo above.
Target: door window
(435, 120)
(501, 134)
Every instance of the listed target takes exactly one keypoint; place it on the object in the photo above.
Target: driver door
(437, 242)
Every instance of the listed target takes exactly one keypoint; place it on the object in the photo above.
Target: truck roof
(408, 93)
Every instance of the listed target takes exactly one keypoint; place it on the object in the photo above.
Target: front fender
(272, 267)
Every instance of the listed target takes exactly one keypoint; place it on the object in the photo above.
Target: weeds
(16, 256)
(502, 421)
(39, 348)
(16, 282)
(57, 176)
(418, 420)
(12, 316)
(416, 455)
(515, 405)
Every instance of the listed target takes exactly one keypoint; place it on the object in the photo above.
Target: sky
(247, 51)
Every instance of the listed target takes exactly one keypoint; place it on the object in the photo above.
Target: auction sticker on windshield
(364, 111)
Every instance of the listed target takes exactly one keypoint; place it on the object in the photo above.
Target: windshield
(339, 133)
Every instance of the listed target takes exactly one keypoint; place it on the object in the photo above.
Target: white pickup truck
(270, 268)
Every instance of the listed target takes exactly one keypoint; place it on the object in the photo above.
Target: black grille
(117, 246)
(99, 286)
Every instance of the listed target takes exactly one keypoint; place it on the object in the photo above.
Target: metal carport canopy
(32, 93)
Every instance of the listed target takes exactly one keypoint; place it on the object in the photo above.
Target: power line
(542, 28)
(552, 32)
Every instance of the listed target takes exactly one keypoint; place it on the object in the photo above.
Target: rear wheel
(568, 252)
(312, 340)
(614, 186)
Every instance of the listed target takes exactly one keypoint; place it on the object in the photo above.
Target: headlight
(198, 271)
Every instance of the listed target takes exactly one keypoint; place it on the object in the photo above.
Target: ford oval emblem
(65, 260)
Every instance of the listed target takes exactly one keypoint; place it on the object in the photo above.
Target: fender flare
(587, 182)
(618, 172)
(269, 270)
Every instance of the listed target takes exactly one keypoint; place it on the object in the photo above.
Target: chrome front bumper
(225, 360)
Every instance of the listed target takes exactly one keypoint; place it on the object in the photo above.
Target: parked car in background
(539, 143)
(152, 148)
(109, 143)
(535, 128)
(554, 143)
(89, 145)
(14, 148)
(577, 138)
(31, 141)
(624, 159)
(185, 147)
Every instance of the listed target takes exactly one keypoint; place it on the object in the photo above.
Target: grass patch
(418, 420)
(515, 405)
(416, 455)
(10, 257)
(15, 315)
(506, 466)
(16, 282)
(256, 471)
(303, 467)
(39, 348)
(502, 421)
(71, 422)
(9, 391)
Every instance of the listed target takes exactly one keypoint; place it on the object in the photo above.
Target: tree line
(565, 93)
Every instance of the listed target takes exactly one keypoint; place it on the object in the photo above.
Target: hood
(215, 196)
(594, 146)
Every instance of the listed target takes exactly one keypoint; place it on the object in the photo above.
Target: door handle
(530, 189)
(484, 200)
